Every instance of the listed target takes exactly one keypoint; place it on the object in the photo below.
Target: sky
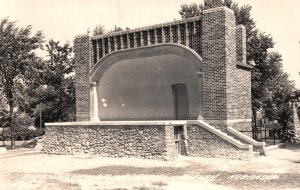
(62, 20)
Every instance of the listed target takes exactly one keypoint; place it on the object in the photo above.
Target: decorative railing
(186, 32)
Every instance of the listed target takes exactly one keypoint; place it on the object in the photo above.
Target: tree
(99, 30)
(3, 115)
(258, 44)
(279, 89)
(17, 46)
(52, 86)
(116, 29)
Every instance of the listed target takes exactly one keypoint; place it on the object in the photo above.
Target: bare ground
(27, 169)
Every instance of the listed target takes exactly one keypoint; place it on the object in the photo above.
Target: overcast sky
(64, 19)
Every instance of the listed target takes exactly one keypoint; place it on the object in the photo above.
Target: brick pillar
(296, 124)
(103, 47)
(241, 44)
(108, 45)
(219, 57)
(94, 102)
(155, 36)
(148, 38)
(82, 50)
(142, 39)
(171, 34)
(115, 43)
(163, 40)
(187, 35)
(178, 34)
(134, 39)
(122, 41)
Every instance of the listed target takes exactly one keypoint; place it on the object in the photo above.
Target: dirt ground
(30, 170)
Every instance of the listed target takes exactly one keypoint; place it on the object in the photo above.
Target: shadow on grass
(295, 147)
(131, 170)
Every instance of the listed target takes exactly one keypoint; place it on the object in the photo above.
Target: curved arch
(147, 51)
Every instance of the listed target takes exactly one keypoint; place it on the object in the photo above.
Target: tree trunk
(12, 127)
(255, 127)
(3, 136)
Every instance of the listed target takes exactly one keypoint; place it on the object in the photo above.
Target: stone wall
(202, 143)
(152, 142)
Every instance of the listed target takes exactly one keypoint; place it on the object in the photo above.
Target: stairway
(235, 138)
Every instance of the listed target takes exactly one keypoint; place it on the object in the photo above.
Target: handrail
(245, 137)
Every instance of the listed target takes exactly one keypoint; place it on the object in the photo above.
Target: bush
(23, 134)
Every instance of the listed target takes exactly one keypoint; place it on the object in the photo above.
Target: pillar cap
(218, 9)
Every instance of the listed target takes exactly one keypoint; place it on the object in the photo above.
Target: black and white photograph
(149, 95)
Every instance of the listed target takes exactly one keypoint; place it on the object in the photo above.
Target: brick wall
(227, 88)
(214, 36)
(216, 54)
(82, 46)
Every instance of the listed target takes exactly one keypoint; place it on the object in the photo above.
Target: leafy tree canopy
(52, 89)
(17, 46)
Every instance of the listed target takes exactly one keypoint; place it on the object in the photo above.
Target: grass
(131, 170)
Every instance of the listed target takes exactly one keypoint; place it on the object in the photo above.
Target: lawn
(280, 169)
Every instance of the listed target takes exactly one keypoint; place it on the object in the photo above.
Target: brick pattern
(217, 39)
(214, 58)
(296, 124)
(82, 49)
(227, 89)
(151, 142)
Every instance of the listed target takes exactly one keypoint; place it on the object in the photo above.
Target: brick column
(122, 41)
(103, 47)
(97, 50)
(200, 90)
(134, 40)
(163, 40)
(148, 38)
(142, 39)
(128, 40)
(296, 124)
(82, 50)
(187, 35)
(108, 45)
(241, 44)
(178, 34)
(171, 34)
(155, 36)
(94, 102)
(219, 57)
(115, 43)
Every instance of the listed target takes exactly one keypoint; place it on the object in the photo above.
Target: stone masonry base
(148, 141)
